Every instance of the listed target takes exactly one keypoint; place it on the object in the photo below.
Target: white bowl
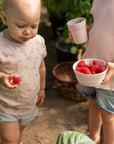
(90, 79)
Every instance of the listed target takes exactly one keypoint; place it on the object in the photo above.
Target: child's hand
(41, 97)
(70, 36)
(7, 81)
(110, 72)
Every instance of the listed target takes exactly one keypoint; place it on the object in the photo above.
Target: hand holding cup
(78, 30)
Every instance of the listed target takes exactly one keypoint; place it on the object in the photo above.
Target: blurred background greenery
(2, 26)
(60, 12)
(64, 10)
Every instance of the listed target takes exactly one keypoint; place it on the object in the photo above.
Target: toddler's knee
(10, 139)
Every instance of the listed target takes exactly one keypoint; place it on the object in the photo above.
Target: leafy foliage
(79, 8)
(2, 26)
(71, 9)
(56, 7)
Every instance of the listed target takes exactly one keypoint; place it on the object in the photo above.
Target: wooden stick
(79, 56)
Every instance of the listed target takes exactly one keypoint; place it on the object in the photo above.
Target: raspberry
(93, 72)
(16, 80)
(101, 69)
(83, 70)
(79, 69)
(94, 68)
(86, 65)
(95, 62)
(86, 70)
(81, 63)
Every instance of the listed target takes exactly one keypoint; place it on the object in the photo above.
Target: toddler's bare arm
(41, 94)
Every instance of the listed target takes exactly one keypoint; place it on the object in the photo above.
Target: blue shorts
(104, 99)
(23, 120)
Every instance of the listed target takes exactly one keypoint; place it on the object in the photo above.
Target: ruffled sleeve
(43, 51)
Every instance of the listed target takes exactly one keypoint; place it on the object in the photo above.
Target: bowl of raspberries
(90, 71)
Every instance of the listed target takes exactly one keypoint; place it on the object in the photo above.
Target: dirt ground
(56, 114)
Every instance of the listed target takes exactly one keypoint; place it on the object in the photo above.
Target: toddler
(22, 54)
(100, 45)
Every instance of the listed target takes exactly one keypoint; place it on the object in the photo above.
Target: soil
(57, 114)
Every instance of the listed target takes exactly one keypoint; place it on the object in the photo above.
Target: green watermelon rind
(73, 137)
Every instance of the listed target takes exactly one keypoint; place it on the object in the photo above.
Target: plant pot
(63, 52)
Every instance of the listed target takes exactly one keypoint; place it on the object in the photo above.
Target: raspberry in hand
(16, 80)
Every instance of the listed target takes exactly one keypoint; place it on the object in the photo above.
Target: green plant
(2, 26)
(68, 9)
(74, 49)
(77, 8)
(56, 7)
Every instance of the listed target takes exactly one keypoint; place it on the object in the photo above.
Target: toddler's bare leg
(108, 127)
(95, 121)
(9, 133)
(21, 133)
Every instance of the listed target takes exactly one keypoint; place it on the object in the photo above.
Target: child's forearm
(42, 76)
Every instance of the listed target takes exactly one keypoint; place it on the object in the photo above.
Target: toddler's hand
(41, 97)
(7, 81)
(110, 72)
